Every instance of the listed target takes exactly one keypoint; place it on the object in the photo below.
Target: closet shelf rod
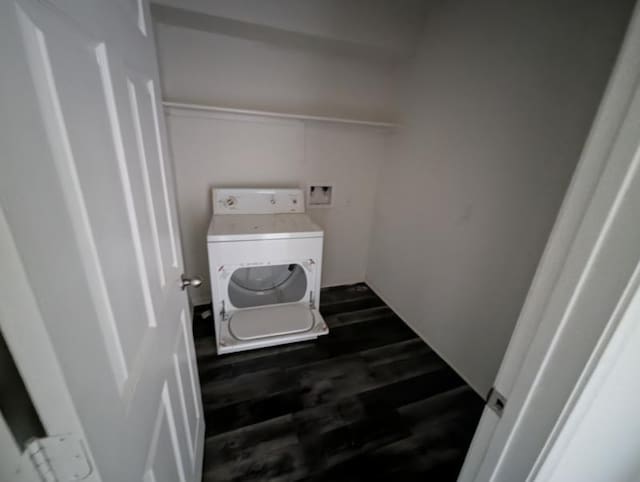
(262, 113)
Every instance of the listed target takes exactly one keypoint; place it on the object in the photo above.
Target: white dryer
(265, 261)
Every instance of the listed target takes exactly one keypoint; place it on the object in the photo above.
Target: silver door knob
(194, 282)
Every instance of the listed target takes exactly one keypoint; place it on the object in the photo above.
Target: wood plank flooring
(370, 401)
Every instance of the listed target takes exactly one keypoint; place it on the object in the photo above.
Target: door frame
(26, 336)
(602, 410)
(531, 361)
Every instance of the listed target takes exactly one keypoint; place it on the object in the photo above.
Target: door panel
(155, 178)
(187, 384)
(65, 66)
(146, 170)
(168, 199)
(165, 458)
(129, 177)
(97, 230)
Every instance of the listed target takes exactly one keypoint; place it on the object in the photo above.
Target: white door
(86, 189)
(585, 273)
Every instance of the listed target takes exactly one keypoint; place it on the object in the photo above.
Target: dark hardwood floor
(370, 401)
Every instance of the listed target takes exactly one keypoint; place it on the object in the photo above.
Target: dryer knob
(230, 202)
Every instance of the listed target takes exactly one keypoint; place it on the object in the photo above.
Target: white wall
(301, 74)
(233, 150)
(498, 107)
(215, 69)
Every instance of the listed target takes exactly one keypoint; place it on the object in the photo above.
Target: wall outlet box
(320, 195)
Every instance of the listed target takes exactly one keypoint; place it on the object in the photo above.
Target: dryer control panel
(257, 200)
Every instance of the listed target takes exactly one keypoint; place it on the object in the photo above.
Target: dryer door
(279, 320)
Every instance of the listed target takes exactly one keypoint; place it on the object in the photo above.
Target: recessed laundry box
(265, 260)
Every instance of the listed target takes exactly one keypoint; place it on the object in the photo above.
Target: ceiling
(376, 29)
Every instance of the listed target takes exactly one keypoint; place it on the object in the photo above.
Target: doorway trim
(22, 326)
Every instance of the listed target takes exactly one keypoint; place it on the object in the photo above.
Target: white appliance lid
(247, 227)
(256, 323)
